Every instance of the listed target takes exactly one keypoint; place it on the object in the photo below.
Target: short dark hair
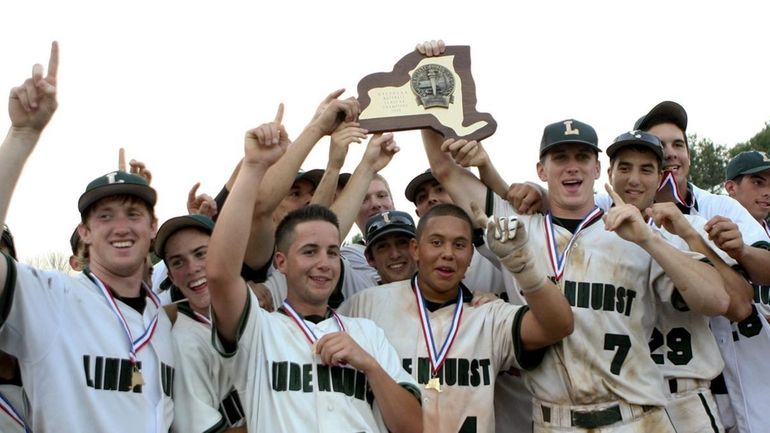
(444, 209)
(638, 148)
(284, 233)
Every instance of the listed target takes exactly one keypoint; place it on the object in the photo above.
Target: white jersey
(612, 285)
(205, 399)
(74, 355)
(487, 343)
(287, 389)
(682, 343)
(12, 409)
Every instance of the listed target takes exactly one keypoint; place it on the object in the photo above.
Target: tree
(52, 261)
(707, 163)
(760, 141)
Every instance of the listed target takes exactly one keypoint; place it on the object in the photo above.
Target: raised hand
(668, 216)
(345, 134)
(332, 111)
(626, 220)
(466, 153)
(134, 167)
(526, 198)
(31, 105)
(266, 143)
(380, 150)
(200, 204)
(431, 48)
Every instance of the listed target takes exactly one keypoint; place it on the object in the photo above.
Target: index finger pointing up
(53, 62)
(613, 195)
(279, 114)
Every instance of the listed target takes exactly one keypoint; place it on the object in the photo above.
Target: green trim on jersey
(415, 391)
(761, 244)
(527, 359)
(229, 350)
(6, 298)
(219, 427)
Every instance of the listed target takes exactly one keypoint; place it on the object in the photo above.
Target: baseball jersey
(12, 409)
(612, 286)
(682, 344)
(74, 354)
(205, 399)
(487, 342)
(285, 386)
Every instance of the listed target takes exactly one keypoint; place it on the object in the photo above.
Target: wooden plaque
(433, 92)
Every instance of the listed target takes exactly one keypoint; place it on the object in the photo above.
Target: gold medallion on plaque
(434, 86)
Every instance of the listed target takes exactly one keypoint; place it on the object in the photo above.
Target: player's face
(311, 265)
(186, 262)
(430, 194)
(300, 195)
(675, 153)
(635, 176)
(118, 234)
(753, 192)
(570, 171)
(443, 254)
(377, 200)
(391, 257)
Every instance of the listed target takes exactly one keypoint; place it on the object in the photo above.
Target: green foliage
(760, 141)
(707, 163)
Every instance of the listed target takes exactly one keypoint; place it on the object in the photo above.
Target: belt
(685, 385)
(590, 418)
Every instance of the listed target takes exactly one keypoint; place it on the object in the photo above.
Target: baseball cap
(175, 224)
(636, 138)
(665, 112)
(748, 162)
(568, 131)
(415, 184)
(7, 239)
(388, 222)
(116, 183)
(313, 176)
(343, 179)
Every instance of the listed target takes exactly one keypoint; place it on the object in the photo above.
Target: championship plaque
(434, 92)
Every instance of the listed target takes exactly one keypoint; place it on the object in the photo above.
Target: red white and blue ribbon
(437, 357)
(309, 334)
(767, 229)
(201, 318)
(668, 179)
(8, 408)
(135, 345)
(558, 260)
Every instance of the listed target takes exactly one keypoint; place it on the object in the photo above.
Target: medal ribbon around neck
(201, 318)
(668, 179)
(8, 408)
(767, 229)
(135, 344)
(437, 358)
(558, 261)
(309, 334)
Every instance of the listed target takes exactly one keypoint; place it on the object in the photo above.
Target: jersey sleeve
(386, 355)
(354, 255)
(507, 341)
(603, 201)
(196, 396)
(248, 327)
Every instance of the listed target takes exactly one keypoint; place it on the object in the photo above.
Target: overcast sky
(177, 83)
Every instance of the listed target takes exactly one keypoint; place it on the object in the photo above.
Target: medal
(668, 179)
(434, 383)
(136, 377)
(300, 322)
(558, 261)
(437, 357)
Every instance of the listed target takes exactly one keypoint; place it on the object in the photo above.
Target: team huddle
(506, 308)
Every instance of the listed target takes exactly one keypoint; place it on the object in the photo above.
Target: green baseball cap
(116, 183)
(415, 184)
(749, 162)
(636, 138)
(388, 222)
(175, 224)
(568, 131)
(313, 176)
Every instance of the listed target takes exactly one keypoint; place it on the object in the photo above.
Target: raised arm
(345, 134)
(738, 289)
(700, 285)
(227, 246)
(30, 108)
(379, 152)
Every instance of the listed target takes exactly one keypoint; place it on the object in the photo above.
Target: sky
(178, 83)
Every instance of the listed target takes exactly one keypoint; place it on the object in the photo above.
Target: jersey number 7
(620, 342)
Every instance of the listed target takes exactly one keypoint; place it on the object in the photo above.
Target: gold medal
(434, 383)
(136, 377)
